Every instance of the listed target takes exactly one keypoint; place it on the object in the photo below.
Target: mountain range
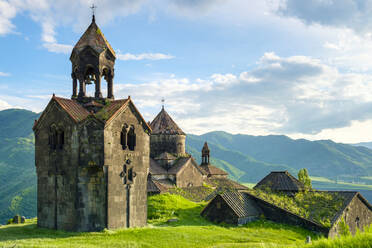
(246, 158)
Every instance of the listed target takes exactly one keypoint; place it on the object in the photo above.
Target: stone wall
(189, 176)
(174, 144)
(218, 211)
(56, 177)
(356, 215)
(115, 158)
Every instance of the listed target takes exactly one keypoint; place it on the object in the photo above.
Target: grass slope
(190, 231)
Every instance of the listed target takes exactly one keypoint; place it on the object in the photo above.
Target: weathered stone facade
(91, 153)
(357, 215)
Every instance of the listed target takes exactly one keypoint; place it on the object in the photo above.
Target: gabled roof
(152, 187)
(163, 124)
(239, 202)
(156, 169)
(94, 38)
(212, 170)
(181, 163)
(348, 196)
(78, 113)
(280, 181)
(165, 156)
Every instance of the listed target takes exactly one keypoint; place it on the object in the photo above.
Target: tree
(303, 177)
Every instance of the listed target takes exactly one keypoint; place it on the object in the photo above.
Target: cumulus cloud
(4, 105)
(352, 14)
(144, 56)
(291, 95)
(4, 74)
(7, 13)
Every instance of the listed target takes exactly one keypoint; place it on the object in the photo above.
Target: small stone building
(356, 212)
(237, 208)
(231, 207)
(281, 181)
(91, 152)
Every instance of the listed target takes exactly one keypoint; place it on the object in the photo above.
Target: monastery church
(97, 158)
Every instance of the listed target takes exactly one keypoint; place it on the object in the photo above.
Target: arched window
(124, 136)
(357, 222)
(61, 139)
(53, 137)
(131, 139)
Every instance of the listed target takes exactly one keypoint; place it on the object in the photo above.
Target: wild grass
(318, 206)
(190, 231)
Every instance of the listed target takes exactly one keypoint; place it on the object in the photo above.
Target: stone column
(110, 86)
(82, 90)
(74, 85)
(98, 93)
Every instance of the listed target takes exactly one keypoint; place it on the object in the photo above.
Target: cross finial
(162, 102)
(93, 7)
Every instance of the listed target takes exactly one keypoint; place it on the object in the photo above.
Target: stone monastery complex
(97, 159)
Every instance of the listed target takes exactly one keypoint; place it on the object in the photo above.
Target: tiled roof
(109, 110)
(163, 124)
(240, 203)
(280, 181)
(212, 170)
(78, 112)
(225, 183)
(165, 156)
(152, 187)
(180, 163)
(94, 38)
(73, 108)
(156, 169)
(164, 184)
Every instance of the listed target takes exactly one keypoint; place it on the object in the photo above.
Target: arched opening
(89, 79)
(124, 136)
(357, 222)
(131, 139)
(53, 136)
(61, 139)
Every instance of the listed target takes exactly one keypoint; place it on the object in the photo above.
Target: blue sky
(300, 68)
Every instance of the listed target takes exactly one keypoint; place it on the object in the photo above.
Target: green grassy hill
(190, 231)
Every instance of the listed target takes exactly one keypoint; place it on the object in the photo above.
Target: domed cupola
(166, 136)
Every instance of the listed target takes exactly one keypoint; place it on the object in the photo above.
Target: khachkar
(91, 153)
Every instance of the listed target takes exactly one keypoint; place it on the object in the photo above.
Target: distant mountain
(322, 158)
(365, 144)
(17, 167)
(246, 158)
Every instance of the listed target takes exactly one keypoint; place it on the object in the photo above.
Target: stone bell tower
(92, 59)
(91, 153)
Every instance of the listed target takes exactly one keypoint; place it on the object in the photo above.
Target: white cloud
(352, 14)
(144, 56)
(4, 105)
(4, 74)
(7, 13)
(58, 48)
(290, 95)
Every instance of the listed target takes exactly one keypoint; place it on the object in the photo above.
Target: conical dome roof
(94, 38)
(163, 124)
